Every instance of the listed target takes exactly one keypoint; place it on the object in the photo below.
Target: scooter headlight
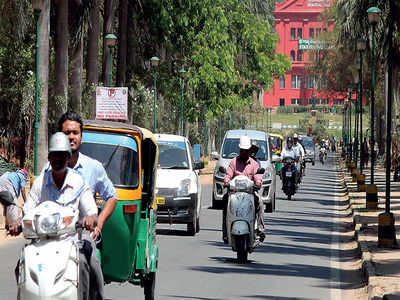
(48, 225)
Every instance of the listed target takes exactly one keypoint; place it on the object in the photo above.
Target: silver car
(230, 149)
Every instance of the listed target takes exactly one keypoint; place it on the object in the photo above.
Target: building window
(318, 32)
(311, 82)
(296, 81)
(300, 55)
(292, 55)
(293, 101)
(335, 101)
(282, 102)
(311, 33)
(282, 82)
(292, 33)
(325, 30)
(299, 33)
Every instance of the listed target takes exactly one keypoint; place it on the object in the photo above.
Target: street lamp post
(361, 45)
(373, 18)
(37, 8)
(154, 63)
(182, 73)
(110, 43)
(349, 122)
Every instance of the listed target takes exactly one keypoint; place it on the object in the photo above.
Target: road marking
(336, 291)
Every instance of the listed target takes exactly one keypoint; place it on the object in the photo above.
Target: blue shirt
(95, 176)
(18, 180)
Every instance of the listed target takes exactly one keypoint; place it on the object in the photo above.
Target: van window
(231, 149)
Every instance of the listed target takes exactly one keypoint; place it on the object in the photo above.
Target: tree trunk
(44, 37)
(92, 65)
(108, 27)
(122, 42)
(61, 58)
(76, 78)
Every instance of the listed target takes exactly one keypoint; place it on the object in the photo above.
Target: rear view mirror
(222, 170)
(260, 171)
(198, 165)
(214, 155)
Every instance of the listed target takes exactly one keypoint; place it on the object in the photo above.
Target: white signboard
(112, 103)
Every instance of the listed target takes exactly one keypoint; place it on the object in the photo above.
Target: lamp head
(154, 61)
(37, 5)
(374, 15)
(182, 72)
(110, 40)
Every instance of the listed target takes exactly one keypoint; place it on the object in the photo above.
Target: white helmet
(245, 142)
(295, 136)
(59, 142)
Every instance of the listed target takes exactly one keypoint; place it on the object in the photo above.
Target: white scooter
(49, 262)
(240, 217)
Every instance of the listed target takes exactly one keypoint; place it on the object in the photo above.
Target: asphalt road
(301, 257)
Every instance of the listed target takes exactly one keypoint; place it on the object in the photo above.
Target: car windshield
(121, 163)
(308, 143)
(231, 149)
(172, 155)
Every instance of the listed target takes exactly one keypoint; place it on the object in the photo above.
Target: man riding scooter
(300, 150)
(288, 154)
(243, 164)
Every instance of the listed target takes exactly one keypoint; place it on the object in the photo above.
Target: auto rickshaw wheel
(149, 286)
(192, 226)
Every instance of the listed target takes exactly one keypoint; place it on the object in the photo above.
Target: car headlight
(217, 173)
(267, 174)
(183, 188)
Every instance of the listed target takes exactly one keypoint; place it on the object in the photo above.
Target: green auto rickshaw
(276, 146)
(129, 154)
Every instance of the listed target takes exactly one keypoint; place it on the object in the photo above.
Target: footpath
(380, 266)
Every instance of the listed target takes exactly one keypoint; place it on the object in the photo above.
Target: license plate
(288, 174)
(160, 200)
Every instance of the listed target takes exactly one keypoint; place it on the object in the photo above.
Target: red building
(297, 22)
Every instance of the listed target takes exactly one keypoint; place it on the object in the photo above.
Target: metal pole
(361, 112)
(372, 106)
(219, 132)
(389, 107)
(181, 122)
(110, 84)
(355, 147)
(37, 14)
(351, 142)
(154, 105)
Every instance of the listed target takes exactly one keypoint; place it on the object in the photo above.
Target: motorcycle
(48, 266)
(289, 177)
(241, 219)
(322, 155)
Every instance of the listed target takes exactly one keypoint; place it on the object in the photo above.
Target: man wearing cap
(65, 186)
(243, 164)
(12, 184)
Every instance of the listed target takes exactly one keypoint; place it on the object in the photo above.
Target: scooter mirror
(6, 201)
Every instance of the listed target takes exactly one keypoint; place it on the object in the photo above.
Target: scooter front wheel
(241, 249)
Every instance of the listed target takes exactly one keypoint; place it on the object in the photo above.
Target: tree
(44, 46)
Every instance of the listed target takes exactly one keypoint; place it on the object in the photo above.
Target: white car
(230, 149)
(178, 188)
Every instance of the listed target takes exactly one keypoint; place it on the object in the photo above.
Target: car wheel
(198, 224)
(268, 207)
(215, 203)
(191, 227)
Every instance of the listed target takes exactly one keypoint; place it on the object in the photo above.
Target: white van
(230, 149)
(178, 188)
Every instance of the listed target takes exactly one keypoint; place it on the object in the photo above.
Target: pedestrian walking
(12, 184)
(364, 153)
(396, 158)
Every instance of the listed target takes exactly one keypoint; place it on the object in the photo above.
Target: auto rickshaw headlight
(183, 188)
